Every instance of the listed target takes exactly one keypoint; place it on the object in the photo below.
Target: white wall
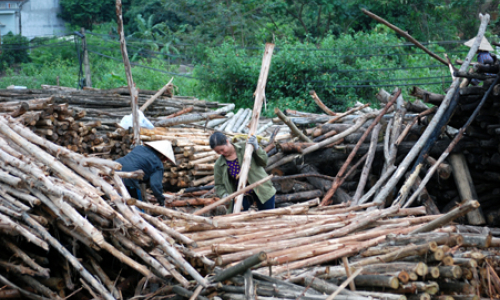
(9, 22)
(39, 18)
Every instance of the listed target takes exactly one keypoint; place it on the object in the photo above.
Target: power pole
(88, 80)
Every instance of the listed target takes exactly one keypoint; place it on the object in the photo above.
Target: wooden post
(128, 73)
(88, 80)
(259, 99)
(466, 189)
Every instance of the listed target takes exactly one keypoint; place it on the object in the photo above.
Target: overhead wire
(329, 84)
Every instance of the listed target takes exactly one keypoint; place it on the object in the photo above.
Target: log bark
(155, 96)
(75, 263)
(426, 96)
(259, 99)
(321, 104)
(239, 268)
(298, 197)
(368, 164)
(463, 209)
(128, 73)
(465, 186)
(336, 183)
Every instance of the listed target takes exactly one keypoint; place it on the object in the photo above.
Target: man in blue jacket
(148, 158)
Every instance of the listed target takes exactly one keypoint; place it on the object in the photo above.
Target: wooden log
(16, 269)
(444, 169)
(163, 227)
(426, 96)
(203, 180)
(186, 119)
(350, 111)
(245, 122)
(155, 96)
(76, 264)
(228, 198)
(463, 209)
(104, 278)
(336, 183)
(30, 236)
(321, 104)
(142, 254)
(186, 293)
(128, 74)
(43, 272)
(241, 119)
(298, 197)
(249, 285)
(230, 123)
(259, 98)
(323, 286)
(453, 272)
(380, 295)
(367, 166)
(465, 186)
(479, 240)
(239, 268)
(22, 291)
(391, 282)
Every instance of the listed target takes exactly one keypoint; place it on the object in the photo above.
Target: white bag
(127, 121)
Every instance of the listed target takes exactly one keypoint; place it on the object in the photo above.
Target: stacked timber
(111, 105)
(86, 121)
(58, 123)
(53, 198)
(67, 226)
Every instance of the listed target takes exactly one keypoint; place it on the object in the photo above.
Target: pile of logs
(87, 121)
(63, 214)
(70, 228)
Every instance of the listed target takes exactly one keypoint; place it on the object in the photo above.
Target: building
(31, 18)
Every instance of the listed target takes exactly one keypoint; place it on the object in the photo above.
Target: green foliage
(337, 70)
(86, 13)
(14, 50)
(147, 8)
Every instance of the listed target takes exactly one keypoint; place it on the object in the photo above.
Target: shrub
(14, 50)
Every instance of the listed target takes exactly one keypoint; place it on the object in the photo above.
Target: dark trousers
(248, 200)
(134, 192)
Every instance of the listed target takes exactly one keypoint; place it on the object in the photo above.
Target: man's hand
(252, 140)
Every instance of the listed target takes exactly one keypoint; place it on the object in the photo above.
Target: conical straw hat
(485, 45)
(164, 147)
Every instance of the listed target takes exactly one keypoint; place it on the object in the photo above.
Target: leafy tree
(157, 37)
(147, 8)
(14, 50)
(86, 13)
(212, 20)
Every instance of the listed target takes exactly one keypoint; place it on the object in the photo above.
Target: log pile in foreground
(64, 215)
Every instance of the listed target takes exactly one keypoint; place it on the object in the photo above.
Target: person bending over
(148, 158)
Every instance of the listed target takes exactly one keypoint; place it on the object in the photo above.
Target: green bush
(341, 70)
(14, 50)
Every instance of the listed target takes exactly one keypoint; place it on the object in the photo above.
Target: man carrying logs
(149, 159)
(227, 170)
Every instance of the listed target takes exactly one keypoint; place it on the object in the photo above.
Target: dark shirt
(146, 159)
(485, 58)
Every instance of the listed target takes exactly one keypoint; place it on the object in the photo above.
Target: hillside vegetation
(214, 48)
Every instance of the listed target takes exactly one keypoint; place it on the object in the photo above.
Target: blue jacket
(146, 159)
